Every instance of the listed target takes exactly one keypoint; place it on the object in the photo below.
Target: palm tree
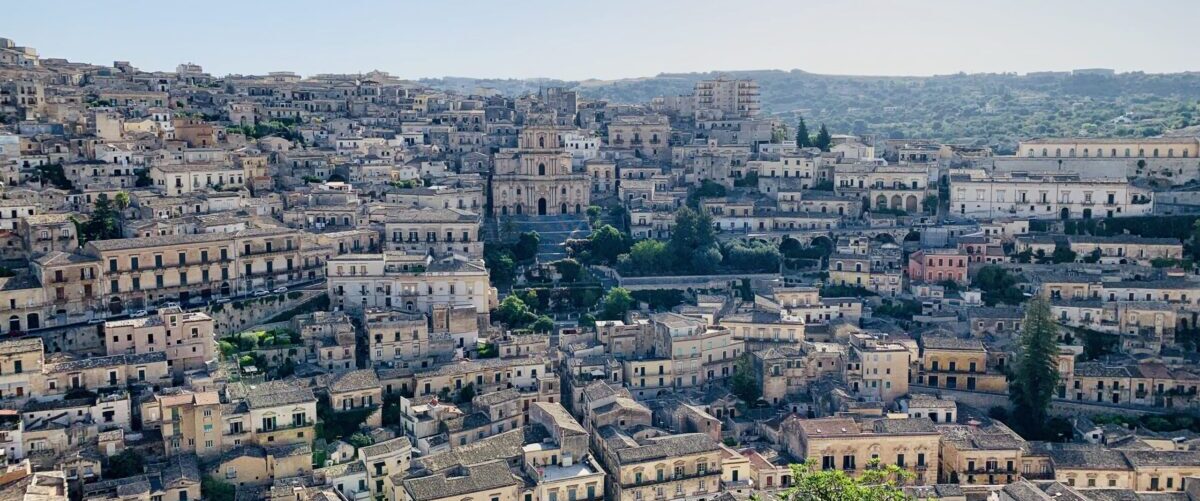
(122, 201)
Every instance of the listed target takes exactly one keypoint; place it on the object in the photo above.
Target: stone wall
(237, 316)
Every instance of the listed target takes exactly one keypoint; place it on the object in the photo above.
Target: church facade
(536, 178)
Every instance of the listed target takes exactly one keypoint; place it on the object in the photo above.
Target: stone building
(537, 177)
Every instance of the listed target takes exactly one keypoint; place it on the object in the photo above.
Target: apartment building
(962, 364)
(842, 443)
(186, 337)
(673, 467)
(410, 282)
(190, 422)
(148, 270)
(434, 231)
(979, 194)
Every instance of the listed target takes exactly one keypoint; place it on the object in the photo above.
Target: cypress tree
(823, 139)
(1036, 377)
(803, 140)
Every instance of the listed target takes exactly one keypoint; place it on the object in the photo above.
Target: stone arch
(910, 203)
(897, 202)
(881, 202)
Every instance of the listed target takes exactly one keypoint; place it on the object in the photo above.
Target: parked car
(260, 293)
(171, 304)
(222, 300)
(138, 314)
(280, 290)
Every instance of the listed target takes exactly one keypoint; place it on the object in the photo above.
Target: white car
(222, 300)
(138, 314)
(260, 293)
(280, 290)
(171, 304)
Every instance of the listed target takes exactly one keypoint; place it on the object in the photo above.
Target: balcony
(287, 426)
(673, 478)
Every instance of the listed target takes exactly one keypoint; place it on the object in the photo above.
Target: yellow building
(669, 467)
(190, 422)
(849, 445)
(186, 337)
(959, 364)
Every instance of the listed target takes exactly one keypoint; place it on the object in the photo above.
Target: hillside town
(359, 287)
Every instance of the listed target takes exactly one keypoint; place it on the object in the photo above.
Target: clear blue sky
(615, 38)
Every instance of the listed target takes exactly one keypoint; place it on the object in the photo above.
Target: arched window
(541, 169)
(541, 141)
(1170, 152)
(1155, 152)
(1044, 152)
(1085, 153)
(1058, 152)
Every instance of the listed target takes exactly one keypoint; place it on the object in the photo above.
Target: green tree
(1036, 376)
(1093, 256)
(824, 140)
(877, 482)
(466, 394)
(616, 304)
(500, 264)
(998, 286)
(126, 464)
(513, 312)
(608, 243)
(693, 230)
(744, 382)
(1063, 253)
(360, 440)
(648, 257)
(543, 324)
(803, 139)
(217, 490)
(527, 246)
(570, 269)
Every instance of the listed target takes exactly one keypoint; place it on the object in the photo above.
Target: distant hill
(977, 109)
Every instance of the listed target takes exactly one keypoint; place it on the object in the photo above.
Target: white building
(406, 281)
(976, 193)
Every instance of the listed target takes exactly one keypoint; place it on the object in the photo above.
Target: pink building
(935, 265)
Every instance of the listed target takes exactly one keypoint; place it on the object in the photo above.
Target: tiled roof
(276, 393)
(109, 361)
(354, 380)
(386, 447)
(667, 447)
(10, 347)
(190, 238)
(466, 480)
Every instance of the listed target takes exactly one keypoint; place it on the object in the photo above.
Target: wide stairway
(554, 231)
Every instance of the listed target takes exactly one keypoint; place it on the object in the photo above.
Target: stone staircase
(554, 231)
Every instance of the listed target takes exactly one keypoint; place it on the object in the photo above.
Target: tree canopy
(877, 482)
(1036, 376)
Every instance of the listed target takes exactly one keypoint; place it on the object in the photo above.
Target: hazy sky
(615, 38)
